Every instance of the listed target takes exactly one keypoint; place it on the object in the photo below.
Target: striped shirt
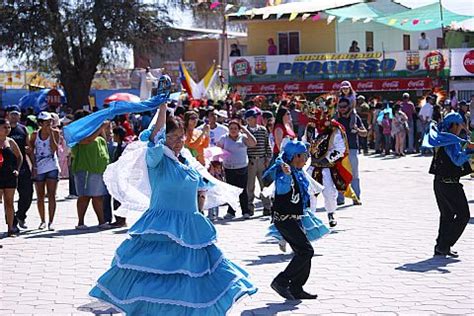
(262, 149)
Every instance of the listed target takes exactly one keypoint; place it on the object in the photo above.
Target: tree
(77, 36)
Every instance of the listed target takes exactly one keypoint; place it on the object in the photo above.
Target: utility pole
(442, 23)
(224, 34)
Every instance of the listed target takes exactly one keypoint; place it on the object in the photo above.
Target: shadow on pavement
(268, 259)
(471, 220)
(437, 263)
(272, 309)
(98, 308)
(60, 233)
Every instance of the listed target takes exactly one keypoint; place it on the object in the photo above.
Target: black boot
(332, 221)
(303, 295)
(439, 251)
(283, 290)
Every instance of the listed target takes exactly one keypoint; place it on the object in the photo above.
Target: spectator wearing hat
(216, 130)
(408, 108)
(236, 142)
(44, 149)
(354, 128)
(19, 134)
(259, 158)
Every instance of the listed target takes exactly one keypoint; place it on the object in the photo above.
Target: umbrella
(37, 100)
(121, 96)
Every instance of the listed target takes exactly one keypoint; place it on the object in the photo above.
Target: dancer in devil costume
(329, 151)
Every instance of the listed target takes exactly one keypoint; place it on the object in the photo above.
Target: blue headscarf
(282, 180)
(438, 135)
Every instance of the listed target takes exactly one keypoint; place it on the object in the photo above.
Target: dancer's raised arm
(161, 120)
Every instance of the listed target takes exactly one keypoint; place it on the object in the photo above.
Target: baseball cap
(14, 109)
(250, 113)
(221, 113)
(360, 96)
(44, 116)
(405, 95)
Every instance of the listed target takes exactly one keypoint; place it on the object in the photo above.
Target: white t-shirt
(424, 43)
(426, 111)
(216, 133)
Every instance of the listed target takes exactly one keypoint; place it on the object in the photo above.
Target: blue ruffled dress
(170, 264)
(313, 227)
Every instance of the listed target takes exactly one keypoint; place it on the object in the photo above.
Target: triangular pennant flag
(241, 11)
(342, 19)
(367, 20)
(416, 21)
(355, 20)
(403, 21)
(392, 21)
(330, 19)
(293, 16)
(305, 16)
(428, 21)
(228, 7)
(252, 14)
(317, 17)
(214, 5)
(265, 16)
(279, 15)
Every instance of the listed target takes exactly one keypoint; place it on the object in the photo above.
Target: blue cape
(438, 136)
(86, 126)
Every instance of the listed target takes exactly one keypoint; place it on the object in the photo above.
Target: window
(439, 42)
(369, 41)
(289, 43)
(406, 42)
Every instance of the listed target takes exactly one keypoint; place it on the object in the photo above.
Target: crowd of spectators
(235, 140)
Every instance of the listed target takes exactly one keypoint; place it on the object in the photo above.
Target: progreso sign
(336, 63)
(338, 66)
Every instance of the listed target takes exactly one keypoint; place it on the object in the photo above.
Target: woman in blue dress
(170, 264)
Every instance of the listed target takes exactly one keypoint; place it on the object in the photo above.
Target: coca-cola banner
(328, 86)
(462, 62)
(337, 66)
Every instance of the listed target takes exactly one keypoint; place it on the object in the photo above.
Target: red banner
(398, 84)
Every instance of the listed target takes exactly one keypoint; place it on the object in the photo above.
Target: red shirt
(287, 132)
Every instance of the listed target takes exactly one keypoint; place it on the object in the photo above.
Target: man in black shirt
(25, 183)
(354, 128)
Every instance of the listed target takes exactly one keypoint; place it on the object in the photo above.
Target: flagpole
(223, 35)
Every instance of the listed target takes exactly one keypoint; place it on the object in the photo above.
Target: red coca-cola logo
(417, 84)
(291, 87)
(268, 88)
(394, 84)
(368, 85)
(316, 86)
(468, 61)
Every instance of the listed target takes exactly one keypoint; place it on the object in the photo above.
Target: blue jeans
(355, 175)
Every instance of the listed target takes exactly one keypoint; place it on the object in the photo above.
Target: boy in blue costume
(450, 162)
(291, 198)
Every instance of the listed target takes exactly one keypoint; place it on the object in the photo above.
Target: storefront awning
(423, 18)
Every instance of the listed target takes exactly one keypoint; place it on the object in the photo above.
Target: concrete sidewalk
(379, 260)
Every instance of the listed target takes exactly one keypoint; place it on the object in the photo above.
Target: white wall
(391, 38)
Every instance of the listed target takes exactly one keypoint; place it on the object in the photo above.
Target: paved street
(377, 262)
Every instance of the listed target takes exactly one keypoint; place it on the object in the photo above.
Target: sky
(465, 7)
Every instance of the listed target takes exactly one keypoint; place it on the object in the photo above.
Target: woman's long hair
(280, 114)
(187, 117)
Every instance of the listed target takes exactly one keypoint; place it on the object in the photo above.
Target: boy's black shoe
(284, 291)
